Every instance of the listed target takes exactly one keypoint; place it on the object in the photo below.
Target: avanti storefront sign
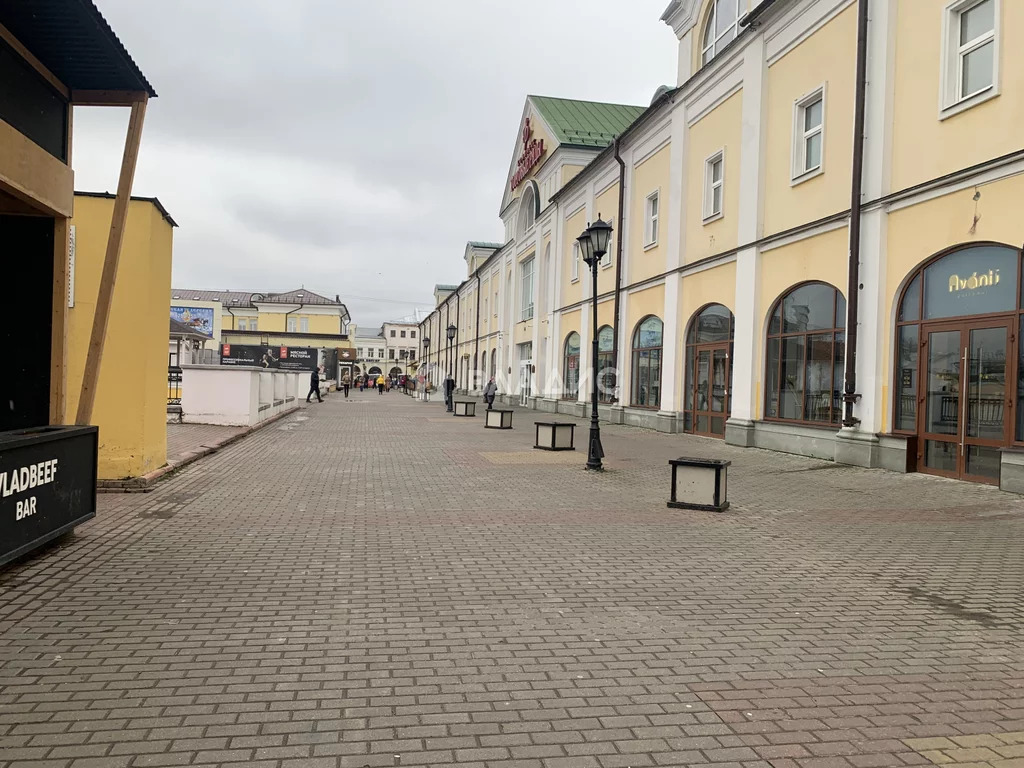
(47, 485)
(971, 282)
(533, 151)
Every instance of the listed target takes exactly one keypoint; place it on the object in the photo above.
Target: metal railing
(174, 386)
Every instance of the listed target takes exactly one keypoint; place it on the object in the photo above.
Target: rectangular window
(392, 334)
(242, 325)
(575, 261)
(714, 181)
(380, 354)
(252, 324)
(304, 324)
(651, 220)
(359, 352)
(809, 134)
(971, 56)
(412, 334)
(391, 354)
(403, 334)
(292, 325)
(526, 283)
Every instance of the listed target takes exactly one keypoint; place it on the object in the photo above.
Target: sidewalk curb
(147, 482)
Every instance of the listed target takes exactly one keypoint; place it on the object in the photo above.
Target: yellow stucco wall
(822, 59)
(278, 321)
(925, 147)
(652, 175)
(131, 397)
(815, 258)
(569, 172)
(721, 129)
(607, 206)
(572, 291)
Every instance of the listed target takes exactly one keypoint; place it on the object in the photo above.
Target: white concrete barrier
(214, 394)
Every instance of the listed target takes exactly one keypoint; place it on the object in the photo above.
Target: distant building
(393, 351)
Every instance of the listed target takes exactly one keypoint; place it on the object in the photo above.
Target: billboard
(199, 319)
(265, 356)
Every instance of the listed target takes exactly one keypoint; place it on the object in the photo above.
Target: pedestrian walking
(489, 392)
(381, 384)
(346, 382)
(314, 386)
(449, 390)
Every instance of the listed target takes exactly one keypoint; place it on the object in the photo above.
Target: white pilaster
(874, 316)
(671, 378)
(749, 337)
(586, 312)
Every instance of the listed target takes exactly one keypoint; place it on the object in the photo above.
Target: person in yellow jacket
(380, 384)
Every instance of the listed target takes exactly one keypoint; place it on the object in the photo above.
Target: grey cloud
(354, 145)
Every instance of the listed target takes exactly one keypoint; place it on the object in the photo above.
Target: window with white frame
(971, 59)
(526, 283)
(252, 324)
(242, 324)
(575, 261)
(809, 134)
(714, 185)
(292, 325)
(304, 324)
(720, 29)
(651, 219)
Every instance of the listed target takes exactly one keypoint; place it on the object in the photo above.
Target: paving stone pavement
(360, 585)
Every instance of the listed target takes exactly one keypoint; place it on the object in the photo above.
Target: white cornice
(681, 15)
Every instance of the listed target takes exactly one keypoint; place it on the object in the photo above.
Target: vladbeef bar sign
(47, 485)
(533, 151)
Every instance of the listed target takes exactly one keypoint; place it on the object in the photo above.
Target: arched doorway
(957, 349)
(395, 372)
(375, 371)
(708, 380)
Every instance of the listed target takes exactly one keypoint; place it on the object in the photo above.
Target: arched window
(646, 389)
(959, 357)
(720, 29)
(804, 363)
(494, 362)
(527, 210)
(571, 367)
(708, 380)
(606, 379)
(476, 373)
(483, 365)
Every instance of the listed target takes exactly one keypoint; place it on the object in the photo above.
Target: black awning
(73, 40)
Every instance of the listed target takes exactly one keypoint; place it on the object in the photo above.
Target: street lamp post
(593, 245)
(451, 331)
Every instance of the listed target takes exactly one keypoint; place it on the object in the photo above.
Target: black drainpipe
(618, 270)
(850, 396)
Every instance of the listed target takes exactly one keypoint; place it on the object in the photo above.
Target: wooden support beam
(58, 323)
(106, 291)
(107, 98)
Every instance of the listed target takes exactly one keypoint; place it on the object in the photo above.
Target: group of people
(384, 385)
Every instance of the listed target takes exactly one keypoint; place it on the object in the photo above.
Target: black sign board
(277, 358)
(47, 485)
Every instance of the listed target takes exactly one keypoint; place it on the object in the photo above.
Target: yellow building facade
(131, 397)
(786, 168)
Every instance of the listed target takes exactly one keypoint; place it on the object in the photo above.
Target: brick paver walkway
(373, 583)
(185, 440)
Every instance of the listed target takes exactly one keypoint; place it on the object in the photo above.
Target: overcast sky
(351, 146)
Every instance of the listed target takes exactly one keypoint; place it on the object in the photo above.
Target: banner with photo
(199, 319)
(277, 358)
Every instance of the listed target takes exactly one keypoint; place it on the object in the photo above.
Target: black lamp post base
(596, 451)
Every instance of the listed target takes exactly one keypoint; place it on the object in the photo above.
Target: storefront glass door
(710, 395)
(964, 399)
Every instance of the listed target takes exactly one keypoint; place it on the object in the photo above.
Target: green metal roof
(585, 123)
